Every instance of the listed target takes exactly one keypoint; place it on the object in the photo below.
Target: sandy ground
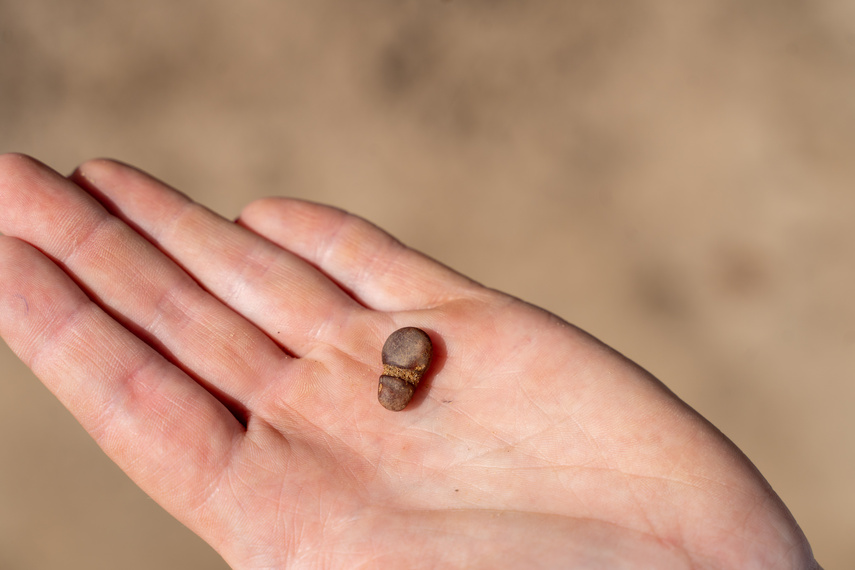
(674, 177)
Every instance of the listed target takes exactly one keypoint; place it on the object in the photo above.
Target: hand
(231, 370)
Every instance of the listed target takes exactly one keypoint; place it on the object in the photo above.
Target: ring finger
(134, 281)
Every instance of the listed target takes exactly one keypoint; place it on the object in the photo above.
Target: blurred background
(677, 178)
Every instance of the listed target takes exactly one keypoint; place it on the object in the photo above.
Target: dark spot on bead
(406, 357)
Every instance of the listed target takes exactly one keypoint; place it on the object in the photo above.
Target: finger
(283, 295)
(143, 411)
(372, 265)
(137, 283)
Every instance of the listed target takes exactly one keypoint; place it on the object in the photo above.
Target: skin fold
(231, 368)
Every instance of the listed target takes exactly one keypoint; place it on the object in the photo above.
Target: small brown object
(406, 357)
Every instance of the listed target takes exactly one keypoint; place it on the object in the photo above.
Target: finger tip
(95, 168)
(15, 166)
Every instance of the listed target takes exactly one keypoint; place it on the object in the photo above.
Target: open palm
(231, 370)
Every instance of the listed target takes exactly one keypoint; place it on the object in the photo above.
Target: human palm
(231, 370)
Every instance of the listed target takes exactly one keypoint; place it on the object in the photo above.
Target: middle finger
(289, 299)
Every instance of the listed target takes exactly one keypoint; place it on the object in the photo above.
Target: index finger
(375, 267)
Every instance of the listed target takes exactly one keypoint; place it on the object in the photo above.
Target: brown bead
(406, 357)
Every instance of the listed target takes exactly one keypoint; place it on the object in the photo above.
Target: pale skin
(230, 369)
